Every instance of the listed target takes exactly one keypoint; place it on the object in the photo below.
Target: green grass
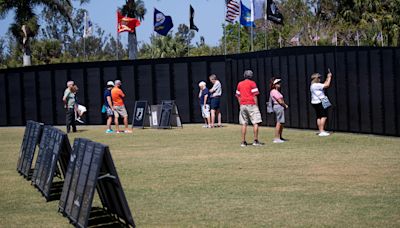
(195, 177)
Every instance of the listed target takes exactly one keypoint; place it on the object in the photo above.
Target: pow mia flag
(273, 13)
(141, 115)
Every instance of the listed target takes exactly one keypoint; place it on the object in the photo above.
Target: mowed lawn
(196, 177)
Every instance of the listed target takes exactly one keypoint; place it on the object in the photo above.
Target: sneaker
(80, 120)
(120, 132)
(243, 144)
(257, 143)
(323, 134)
(278, 141)
(109, 131)
(205, 126)
(127, 131)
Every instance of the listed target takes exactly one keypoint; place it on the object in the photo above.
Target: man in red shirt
(246, 94)
(117, 96)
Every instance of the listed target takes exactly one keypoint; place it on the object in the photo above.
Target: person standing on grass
(69, 105)
(317, 94)
(215, 98)
(117, 96)
(108, 104)
(204, 100)
(246, 94)
(279, 106)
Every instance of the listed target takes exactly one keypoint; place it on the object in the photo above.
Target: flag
(126, 24)
(296, 39)
(87, 27)
(357, 37)
(259, 9)
(316, 38)
(192, 26)
(162, 23)
(246, 16)
(232, 11)
(273, 13)
(379, 37)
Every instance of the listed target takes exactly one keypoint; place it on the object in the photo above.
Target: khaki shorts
(279, 113)
(120, 111)
(249, 113)
(205, 111)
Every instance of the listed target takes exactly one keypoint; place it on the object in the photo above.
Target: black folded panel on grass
(91, 167)
(32, 135)
(53, 158)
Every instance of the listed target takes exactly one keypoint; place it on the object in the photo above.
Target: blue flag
(245, 16)
(162, 23)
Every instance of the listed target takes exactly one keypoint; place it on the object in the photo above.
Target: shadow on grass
(100, 218)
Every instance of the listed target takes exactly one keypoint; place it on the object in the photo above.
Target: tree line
(60, 37)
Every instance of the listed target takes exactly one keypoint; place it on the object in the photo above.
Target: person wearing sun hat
(317, 94)
(279, 107)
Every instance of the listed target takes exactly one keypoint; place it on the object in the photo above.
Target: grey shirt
(216, 90)
(70, 97)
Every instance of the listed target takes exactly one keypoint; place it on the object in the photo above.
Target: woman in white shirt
(317, 93)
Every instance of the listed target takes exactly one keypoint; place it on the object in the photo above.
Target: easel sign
(141, 115)
(169, 115)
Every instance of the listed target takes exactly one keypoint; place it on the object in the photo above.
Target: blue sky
(209, 16)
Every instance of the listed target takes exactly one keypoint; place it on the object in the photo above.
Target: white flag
(87, 27)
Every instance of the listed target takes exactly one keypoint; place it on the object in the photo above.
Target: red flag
(126, 24)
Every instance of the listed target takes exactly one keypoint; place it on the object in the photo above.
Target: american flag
(295, 39)
(232, 10)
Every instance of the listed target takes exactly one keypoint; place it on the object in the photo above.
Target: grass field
(195, 177)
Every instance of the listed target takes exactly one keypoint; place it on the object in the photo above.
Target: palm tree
(136, 10)
(25, 25)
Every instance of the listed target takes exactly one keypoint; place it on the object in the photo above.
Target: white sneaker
(205, 126)
(278, 141)
(323, 134)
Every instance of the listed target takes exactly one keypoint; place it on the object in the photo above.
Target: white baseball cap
(276, 81)
(110, 83)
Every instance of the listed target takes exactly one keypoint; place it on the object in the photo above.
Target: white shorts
(205, 111)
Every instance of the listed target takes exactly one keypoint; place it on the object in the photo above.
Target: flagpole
(336, 42)
(252, 24)
(239, 38)
(358, 39)
(84, 35)
(265, 24)
(224, 38)
(316, 40)
(117, 38)
(189, 32)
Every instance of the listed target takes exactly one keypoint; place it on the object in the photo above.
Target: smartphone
(329, 70)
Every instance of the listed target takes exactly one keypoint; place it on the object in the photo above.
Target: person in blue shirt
(204, 100)
(109, 108)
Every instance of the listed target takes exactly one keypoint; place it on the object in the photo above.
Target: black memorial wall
(365, 89)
